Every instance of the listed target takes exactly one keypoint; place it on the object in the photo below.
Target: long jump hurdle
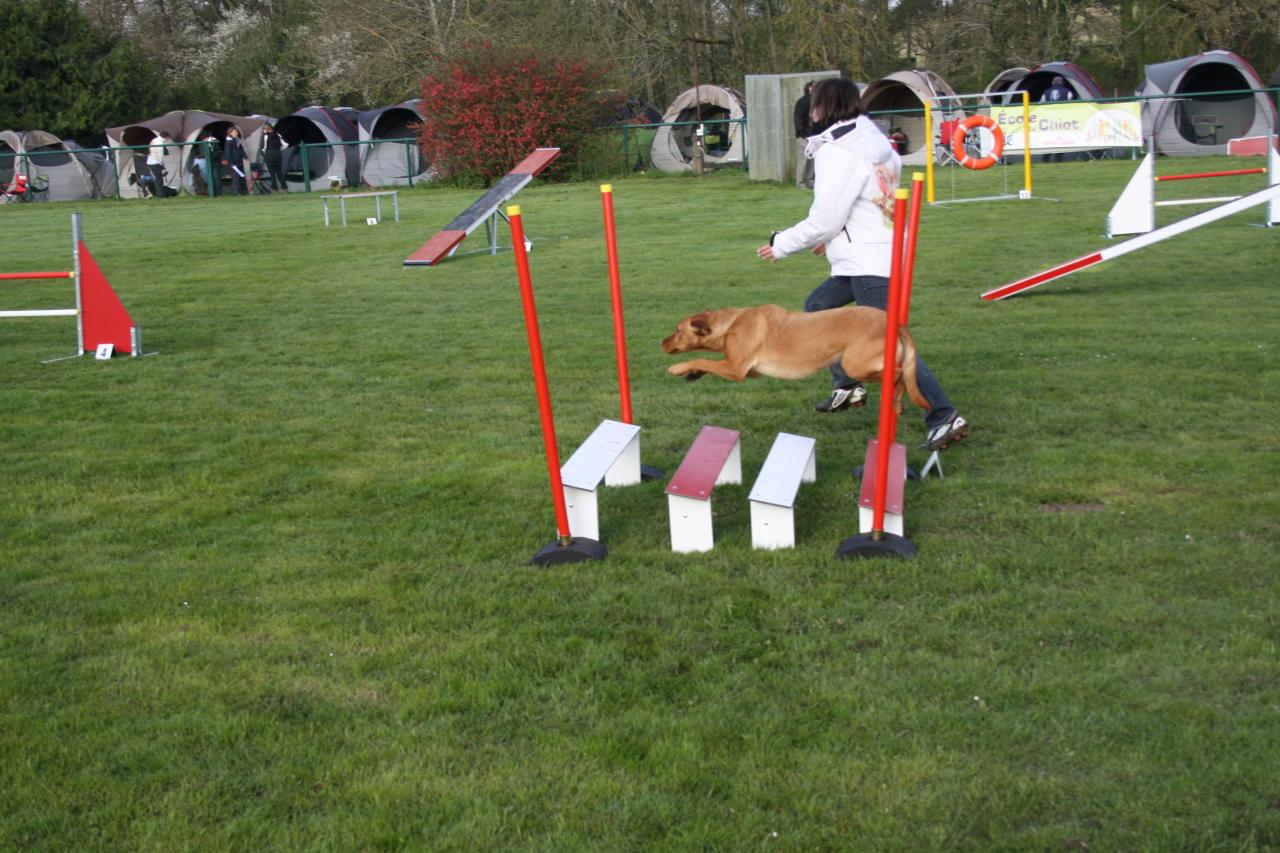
(485, 209)
(102, 323)
(1135, 211)
(1270, 194)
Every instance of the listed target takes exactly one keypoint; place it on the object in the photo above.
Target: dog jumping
(769, 340)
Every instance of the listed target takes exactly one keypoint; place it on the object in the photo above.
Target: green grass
(269, 588)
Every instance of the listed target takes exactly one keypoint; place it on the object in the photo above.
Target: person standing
(1056, 93)
(273, 146)
(851, 223)
(155, 162)
(233, 158)
(804, 166)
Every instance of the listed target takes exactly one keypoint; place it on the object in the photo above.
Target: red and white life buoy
(963, 157)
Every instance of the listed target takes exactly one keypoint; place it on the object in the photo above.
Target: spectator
(804, 166)
(233, 158)
(273, 146)
(155, 162)
(1056, 92)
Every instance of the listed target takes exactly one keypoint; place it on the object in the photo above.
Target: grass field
(269, 588)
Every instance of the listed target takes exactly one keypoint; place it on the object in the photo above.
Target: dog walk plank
(439, 246)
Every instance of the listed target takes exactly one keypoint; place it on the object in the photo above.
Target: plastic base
(912, 473)
(648, 474)
(865, 545)
(578, 550)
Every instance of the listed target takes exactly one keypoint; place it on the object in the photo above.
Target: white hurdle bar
(1270, 194)
(1134, 211)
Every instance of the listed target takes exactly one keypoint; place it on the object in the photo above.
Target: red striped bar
(1140, 242)
(1192, 175)
(1040, 278)
(21, 276)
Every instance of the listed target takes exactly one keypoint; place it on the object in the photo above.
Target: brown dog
(772, 341)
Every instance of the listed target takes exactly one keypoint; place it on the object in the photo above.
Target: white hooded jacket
(856, 172)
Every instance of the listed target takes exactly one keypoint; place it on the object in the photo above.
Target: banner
(1072, 126)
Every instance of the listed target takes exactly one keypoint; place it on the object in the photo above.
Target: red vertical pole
(888, 415)
(539, 372)
(909, 262)
(615, 291)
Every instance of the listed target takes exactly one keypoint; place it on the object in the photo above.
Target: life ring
(964, 158)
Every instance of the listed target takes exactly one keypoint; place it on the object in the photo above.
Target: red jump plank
(436, 248)
(897, 477)
(697, 474)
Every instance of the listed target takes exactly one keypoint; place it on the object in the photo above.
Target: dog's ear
(701, 324)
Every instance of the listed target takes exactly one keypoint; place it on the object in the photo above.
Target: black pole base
(648, 474)
(863, 545)
(578, 550)
(912, 473)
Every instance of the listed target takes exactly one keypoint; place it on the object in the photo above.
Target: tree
(61, 75)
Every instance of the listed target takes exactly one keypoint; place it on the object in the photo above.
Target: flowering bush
(487, 111)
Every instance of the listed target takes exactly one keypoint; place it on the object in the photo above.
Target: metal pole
(615, 292)
(1026, 141)
(888, 415)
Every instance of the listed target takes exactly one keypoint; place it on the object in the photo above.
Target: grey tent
(1036, 80)
(720, 110)
(1193, 120)
(327, 132)
(900, 99)
(385, 162)
(49, 163)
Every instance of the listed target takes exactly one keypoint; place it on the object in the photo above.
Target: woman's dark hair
(834, 99)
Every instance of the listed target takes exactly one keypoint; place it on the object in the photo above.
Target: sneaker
(943, 434)
(843, 398)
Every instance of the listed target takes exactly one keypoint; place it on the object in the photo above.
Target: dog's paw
(693, 375)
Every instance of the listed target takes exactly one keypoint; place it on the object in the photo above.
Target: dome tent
(1004, 82)
(186, 127)
(1036, 80)
(10, 145)
(908, 91)
(326, 128)
(390, 163)
(136, 136)
(672, 149)
(1192, 121)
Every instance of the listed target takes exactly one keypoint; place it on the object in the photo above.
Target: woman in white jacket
(856, 173)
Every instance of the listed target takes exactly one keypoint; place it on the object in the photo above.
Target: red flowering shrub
(487, 110)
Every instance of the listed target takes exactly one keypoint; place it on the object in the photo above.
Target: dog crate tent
(1036, 80)
(720, 110)
(328, 132)
(1192, 121)
(389, 163)
(900, 98)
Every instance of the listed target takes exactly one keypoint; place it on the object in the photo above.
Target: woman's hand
(765, 253)
(820, 249)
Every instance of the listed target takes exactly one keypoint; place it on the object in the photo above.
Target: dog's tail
(907, 347)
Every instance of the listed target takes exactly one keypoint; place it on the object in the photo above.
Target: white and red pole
(615, 293)
(1172, 230)
(566, 548)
